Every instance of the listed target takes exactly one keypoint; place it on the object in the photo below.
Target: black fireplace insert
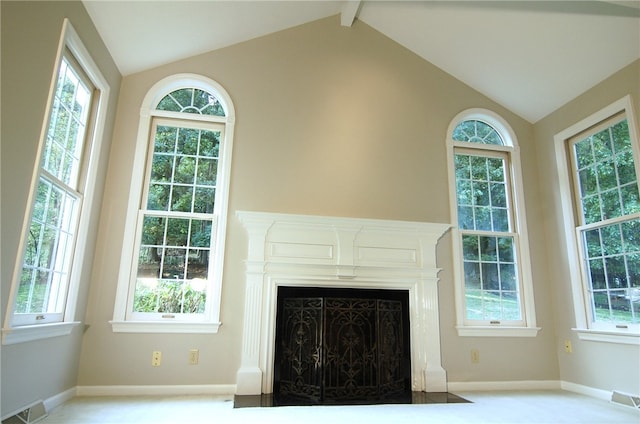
(342, 346)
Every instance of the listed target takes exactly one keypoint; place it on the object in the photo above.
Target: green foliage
(170, 296)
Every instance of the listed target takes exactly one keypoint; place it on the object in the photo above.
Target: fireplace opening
(341, 346)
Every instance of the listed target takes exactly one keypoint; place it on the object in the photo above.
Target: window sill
(620, 337)
(497, 331)
(165, 327)
(30, 333)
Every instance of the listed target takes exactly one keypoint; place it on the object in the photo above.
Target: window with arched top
(493, 282)
(171, 276)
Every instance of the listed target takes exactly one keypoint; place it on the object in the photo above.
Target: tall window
(47, 275)
(52, 231)
(603, 169)
(172, 277)
(492, 272)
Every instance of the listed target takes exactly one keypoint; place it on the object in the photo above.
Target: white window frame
(123, 319)
(53, 325)
(579, 286)
(527, 326)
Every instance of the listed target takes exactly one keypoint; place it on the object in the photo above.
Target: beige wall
(30, 35)
(599, 365)
(330, 121)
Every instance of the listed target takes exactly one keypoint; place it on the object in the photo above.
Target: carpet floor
(513, 407)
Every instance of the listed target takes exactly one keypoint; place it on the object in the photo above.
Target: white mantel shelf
(322, 251)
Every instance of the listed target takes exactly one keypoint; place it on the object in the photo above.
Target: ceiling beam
(349, 12)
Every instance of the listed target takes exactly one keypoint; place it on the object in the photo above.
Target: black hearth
(342, 346)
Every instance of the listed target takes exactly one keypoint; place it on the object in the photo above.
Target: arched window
(493, 282)
(171, 277)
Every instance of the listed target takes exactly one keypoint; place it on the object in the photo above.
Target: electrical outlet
(193, 356)
(567, 346)
(475, 356)
(156, 358)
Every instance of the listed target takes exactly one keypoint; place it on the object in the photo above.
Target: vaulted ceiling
(530, 56)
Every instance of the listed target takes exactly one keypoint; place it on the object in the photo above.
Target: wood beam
(349, 12)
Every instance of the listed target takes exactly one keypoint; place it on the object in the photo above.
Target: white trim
(339, 252)
(69, 39)
(57, 400)
(569, 224)
(498, 331)
(27, 333)
(586, 390)
(479, 386)
(155, 390)
(147, 111)
(165, 327)
(608, 336)
(484, 386)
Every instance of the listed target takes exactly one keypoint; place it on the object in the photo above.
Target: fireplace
(300, 252)
(341, 346)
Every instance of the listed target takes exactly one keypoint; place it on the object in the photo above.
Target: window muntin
(476, 131)
(177, 222)
(191, 100)
(494, 294)
(608, 207)
(47, 259)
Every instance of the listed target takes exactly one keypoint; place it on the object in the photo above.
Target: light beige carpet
(536, 407)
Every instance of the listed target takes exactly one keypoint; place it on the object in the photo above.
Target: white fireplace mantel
(322, 251)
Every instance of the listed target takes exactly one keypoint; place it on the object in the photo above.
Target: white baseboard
(163, 390)
(474, 386)
(59, 399)
(586, 390)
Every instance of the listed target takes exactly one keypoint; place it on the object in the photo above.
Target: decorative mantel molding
(321, 251)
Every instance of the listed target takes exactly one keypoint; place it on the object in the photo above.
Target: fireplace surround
(286, 250)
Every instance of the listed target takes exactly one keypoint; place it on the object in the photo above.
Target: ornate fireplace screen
(342, 346)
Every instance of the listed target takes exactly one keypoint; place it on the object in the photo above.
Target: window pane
(191, 100)
(182, 164)
(204, 200)
(511, 306)
(472, 275)
(474, 131)
(479, 168)
(207, 172)
(490, 278)
(200, 233)
(209, 144)
(614, 271)
(500, 220)
(480, 182)
(488, 248)
(185, 169)
(181, 198)
(67, 123)
(177, 232)
(606, 174)
(630, 199)
(165, 139)
(187, 141)
(173, 265)
(46, 263)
